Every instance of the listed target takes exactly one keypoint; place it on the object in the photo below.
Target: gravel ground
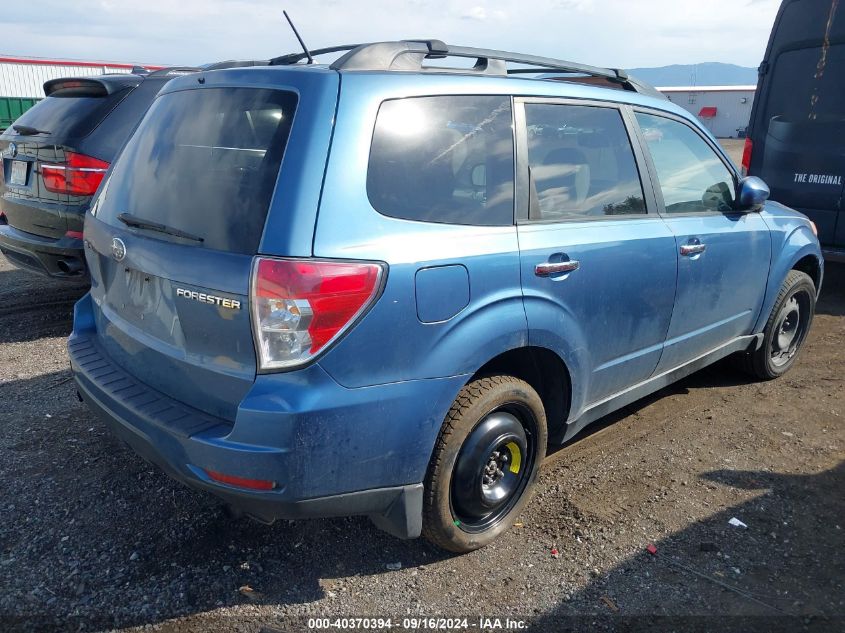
(734, 147)
(92, 537)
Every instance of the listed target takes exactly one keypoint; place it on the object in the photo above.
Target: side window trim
(658, 193)
(650, 169)
(653, 203)
(522, 181)
(522, 193)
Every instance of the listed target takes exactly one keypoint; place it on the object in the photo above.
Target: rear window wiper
(28, 130)
(131, 220)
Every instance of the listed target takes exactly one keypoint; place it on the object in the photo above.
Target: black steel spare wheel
(791, 325)
(484, 464)
(492, 468)
(786, 329)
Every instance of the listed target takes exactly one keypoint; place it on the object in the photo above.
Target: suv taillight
(79, 175)
(300, 306)
(746, 156)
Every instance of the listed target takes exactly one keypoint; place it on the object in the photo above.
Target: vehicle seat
(563, 182)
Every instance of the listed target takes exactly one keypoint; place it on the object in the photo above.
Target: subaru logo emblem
(118, 249)
(13, 149)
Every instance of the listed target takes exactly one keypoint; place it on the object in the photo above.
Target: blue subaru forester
(383, 286)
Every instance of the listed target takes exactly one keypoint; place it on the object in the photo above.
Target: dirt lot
(734, 147)
(91, 537)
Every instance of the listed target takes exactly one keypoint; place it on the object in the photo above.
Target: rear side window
(582, 163)
(692, 178)
(204, 162)
(446, 159)
(70, 117)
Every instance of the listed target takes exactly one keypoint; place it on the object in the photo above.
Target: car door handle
(553, 268)
(693, 249)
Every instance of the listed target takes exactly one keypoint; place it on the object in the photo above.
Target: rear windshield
(70, 117)
(203, 162)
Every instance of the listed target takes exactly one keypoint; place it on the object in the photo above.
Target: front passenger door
(723, 253)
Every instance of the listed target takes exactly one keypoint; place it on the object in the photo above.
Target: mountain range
(705, 74)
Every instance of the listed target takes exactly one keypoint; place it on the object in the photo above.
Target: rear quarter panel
(393, 343)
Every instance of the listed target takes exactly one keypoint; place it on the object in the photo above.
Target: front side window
(445, 159)
(582, 163)
(692, 177)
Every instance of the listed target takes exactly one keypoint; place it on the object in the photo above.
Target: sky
(617, 33)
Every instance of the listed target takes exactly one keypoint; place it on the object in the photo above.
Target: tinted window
(108, 137)
(443, 159)
(692, 177)
(70, 117)
(582, 163)
(204, 162)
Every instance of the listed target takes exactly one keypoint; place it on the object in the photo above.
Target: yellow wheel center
(516, 457)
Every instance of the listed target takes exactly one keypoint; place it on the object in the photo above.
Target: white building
(725, 110)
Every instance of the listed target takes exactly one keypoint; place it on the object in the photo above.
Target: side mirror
(753, 192)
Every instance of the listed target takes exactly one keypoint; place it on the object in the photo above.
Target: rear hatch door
(171, 237)
(47, 135)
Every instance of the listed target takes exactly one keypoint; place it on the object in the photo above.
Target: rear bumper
(63, 257)
(331, 451)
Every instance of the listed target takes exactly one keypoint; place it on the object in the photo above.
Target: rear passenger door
(723, 254)
(598, 263)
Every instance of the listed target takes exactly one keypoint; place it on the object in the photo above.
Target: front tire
(786, 330)
(485, 463)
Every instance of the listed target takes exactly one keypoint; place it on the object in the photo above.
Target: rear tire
(485, 463)
(785, 331)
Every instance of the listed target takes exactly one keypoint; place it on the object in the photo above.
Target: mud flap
(403, 519)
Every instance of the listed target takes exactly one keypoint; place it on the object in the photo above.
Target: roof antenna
(301, 43)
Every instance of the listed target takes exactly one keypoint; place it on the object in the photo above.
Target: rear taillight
(746, 156)
(301, 306)
(79, 175)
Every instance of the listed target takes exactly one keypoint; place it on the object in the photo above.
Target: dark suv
(54, 157)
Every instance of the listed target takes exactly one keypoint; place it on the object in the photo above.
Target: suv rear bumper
(362, 451)
(63, 257)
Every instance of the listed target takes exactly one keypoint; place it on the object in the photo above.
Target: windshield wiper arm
(131, 220)
(28, 131)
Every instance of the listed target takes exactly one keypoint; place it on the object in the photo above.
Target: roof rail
(409, 55)
(292, 58)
